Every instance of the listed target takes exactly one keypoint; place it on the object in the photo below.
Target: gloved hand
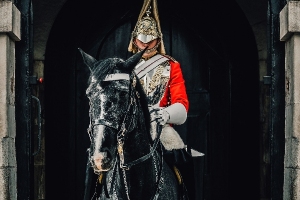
(173, 114)
(159, 114)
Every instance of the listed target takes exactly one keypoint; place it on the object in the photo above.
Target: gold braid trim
(142, 83)
(155, 78)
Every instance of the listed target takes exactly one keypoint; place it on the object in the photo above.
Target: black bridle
(132, 106)
(125, 127)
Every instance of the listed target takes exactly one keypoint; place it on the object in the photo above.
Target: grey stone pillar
(9, 33)
(290, 33)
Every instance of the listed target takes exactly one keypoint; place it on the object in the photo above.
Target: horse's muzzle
(102, 161)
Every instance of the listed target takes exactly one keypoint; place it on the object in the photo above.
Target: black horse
(127, 162)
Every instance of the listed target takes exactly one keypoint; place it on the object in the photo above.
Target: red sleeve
(176, 90)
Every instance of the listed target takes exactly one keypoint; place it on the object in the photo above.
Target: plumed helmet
(146, 30)
(147, 27)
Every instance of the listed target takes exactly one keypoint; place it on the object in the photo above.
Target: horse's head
(111, 94)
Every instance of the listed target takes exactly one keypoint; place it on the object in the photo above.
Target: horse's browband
(117, 76)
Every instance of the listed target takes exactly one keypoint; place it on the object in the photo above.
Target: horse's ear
(131, 62)
(88, 59)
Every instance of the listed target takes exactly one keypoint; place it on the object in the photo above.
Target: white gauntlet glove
(174, 114)
(159, 114)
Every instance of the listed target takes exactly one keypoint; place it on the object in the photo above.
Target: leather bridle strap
(147, 156)
(106, 123)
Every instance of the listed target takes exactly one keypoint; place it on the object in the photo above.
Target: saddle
(181, 162)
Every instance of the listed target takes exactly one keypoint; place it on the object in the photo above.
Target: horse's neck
(139, 139)
(138, 147)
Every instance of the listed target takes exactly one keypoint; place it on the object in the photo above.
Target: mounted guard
(163, 82)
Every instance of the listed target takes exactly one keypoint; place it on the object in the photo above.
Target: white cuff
(177, 113)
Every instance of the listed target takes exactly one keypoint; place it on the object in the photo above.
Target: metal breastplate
(155, 82)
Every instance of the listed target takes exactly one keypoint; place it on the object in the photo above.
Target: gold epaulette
(171, 58)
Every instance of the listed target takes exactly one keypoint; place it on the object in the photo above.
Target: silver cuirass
(154, 83)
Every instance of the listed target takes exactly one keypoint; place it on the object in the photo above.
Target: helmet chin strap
(148, 50)
(149, 55)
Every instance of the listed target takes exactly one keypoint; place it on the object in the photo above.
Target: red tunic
(175, 90)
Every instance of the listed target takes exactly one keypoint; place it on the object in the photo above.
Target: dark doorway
(216, 48)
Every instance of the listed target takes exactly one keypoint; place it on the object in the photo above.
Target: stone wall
(290, 33)
(9, 33)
